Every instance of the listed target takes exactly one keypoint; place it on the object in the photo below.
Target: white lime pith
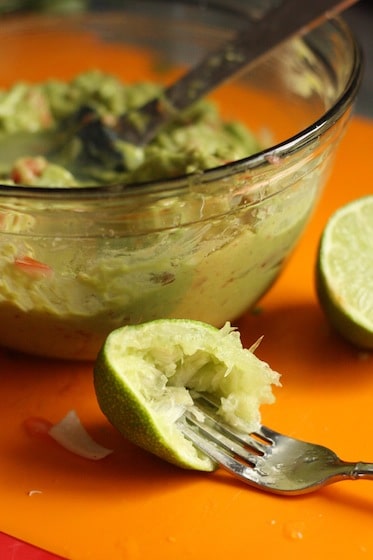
(344, 274)
(144, 376)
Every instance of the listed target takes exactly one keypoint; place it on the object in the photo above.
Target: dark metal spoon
(139, 126)
(246, 48)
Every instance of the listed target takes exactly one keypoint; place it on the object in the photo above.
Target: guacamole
(39, 145)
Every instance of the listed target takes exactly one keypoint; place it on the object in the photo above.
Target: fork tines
(206, 430)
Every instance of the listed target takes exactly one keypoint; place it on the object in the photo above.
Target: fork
(266, 459)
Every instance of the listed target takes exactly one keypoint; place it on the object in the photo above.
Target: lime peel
(145, 377)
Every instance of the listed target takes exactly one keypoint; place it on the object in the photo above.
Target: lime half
(344, 273)
(145, 377)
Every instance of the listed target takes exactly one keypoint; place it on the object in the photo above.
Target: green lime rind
(144, 373)
(344, 272)
(341, 321)
(121, 406)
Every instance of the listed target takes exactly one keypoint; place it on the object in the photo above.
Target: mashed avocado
(35, 150)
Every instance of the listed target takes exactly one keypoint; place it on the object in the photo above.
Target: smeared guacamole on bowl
(39, 146)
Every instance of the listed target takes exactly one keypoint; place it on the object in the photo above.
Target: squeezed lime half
(146, 375)
(344, 271)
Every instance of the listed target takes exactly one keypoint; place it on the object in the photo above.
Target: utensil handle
(290, 17)
(245, 49)
(363, 470)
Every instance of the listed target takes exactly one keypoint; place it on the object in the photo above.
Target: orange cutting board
(133, 506)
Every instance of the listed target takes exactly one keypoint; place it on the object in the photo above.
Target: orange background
(133, 506)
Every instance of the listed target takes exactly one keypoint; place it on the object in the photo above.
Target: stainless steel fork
(267, 459)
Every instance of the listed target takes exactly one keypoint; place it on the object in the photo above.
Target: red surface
(14, 549)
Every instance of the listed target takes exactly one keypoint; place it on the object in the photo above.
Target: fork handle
(361, 470)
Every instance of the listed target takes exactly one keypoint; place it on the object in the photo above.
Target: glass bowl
(77, 263)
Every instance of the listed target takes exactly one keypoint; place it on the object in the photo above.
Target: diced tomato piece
(32, 267)
(37, 427)
(27, 169)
